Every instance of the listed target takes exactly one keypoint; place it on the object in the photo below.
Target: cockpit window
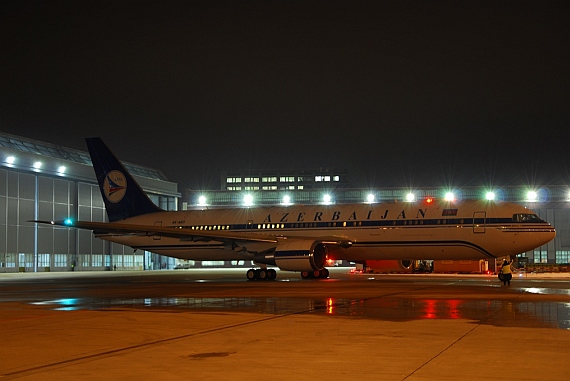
(526, 218)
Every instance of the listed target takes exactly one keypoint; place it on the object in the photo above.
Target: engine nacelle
(296, 255)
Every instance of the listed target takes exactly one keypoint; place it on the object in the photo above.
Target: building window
(563, 256)
(139, 261)
(43, 260)
(60, 260)
(269, 179)
(233, 180)
(26, 260)
(118, 260)
(336, 178)
(10, 260)
(212, 263)
(97, 260)
(287, 179)
(540, 256)
(128, 260)
(318, 178)
(251, 179)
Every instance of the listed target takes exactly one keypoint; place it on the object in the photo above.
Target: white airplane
(303, 237)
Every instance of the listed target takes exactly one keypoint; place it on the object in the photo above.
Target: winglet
(122, 195)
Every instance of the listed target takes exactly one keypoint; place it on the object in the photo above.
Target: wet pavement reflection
(398, 309)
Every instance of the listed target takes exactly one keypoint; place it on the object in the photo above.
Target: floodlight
(532, 196)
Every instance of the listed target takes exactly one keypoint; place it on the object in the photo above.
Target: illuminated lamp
(449, 196)
(68, 222)
(490, 196)
(61, 169)
(37, 164)
(10, 159)
(429, 200)
(286, 200)
(248, 200)
(327, 198)
(532, 196)
(410, 197)
(202, 200)
(370, 198)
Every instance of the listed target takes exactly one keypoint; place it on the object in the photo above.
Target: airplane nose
(547, 236)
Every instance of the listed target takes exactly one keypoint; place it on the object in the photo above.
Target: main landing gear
(261, 274)
(317, 274)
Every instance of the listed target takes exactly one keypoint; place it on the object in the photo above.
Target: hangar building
(43, 181)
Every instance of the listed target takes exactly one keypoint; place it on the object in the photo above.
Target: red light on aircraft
(429, 200)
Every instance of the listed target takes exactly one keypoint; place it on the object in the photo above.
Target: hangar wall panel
(3, 182)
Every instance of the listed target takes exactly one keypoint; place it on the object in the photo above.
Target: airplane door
(479, 219)
(157, 237)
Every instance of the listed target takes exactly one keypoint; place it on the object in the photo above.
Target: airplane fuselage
(438, 230)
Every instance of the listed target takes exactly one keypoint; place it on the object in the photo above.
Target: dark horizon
(401, 94)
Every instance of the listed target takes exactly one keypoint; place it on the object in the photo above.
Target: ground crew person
(507, 272)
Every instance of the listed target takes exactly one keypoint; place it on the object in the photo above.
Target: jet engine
(296, 255)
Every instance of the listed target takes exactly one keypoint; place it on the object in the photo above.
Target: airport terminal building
(43, 181)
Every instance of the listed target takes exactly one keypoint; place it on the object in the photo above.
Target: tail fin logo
(115, 186)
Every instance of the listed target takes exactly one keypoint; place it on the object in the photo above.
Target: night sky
(402, 93)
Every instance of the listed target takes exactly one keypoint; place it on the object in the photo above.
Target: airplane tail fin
(122, 195)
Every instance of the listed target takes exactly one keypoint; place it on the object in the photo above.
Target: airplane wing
(188, 234)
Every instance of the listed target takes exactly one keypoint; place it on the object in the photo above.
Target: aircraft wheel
(325, 273)
(262, 274)
(305, 274)
(250, 274)
(272, 274)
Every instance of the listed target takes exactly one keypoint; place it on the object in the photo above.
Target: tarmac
(204, 325)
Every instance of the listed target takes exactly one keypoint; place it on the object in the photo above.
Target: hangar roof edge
(24, 144)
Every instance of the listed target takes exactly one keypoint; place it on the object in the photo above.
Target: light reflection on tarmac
(528, 303)
(494, 312)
